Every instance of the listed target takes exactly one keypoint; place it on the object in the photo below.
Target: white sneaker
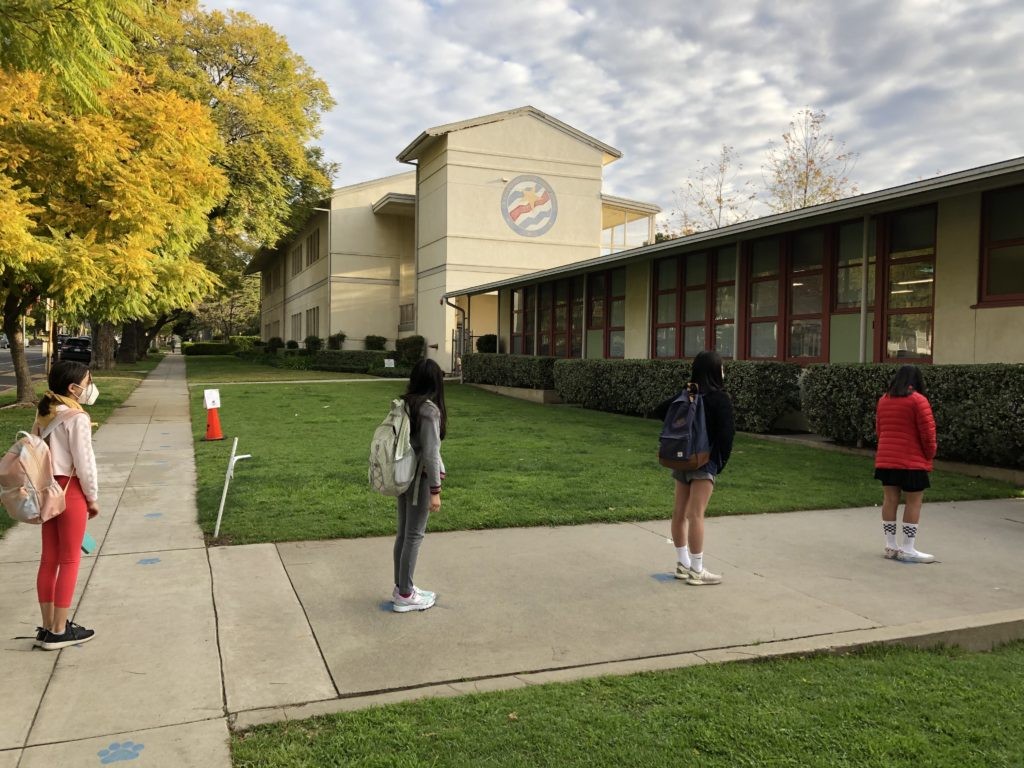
(425, 593)
(913, 556)
(891, 553)
(699, 579)
(682, 571)
(417, 601)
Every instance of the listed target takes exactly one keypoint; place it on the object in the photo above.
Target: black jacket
(721, 425)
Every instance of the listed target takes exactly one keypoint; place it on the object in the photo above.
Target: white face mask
(89, 394)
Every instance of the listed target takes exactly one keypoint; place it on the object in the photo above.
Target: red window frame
(987, 245)
(882, 289)
(781, 294)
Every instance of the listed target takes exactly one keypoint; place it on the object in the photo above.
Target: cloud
(914, 87)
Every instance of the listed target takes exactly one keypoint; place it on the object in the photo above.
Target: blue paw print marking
(120, 751)
(154, 515)
(148, 561)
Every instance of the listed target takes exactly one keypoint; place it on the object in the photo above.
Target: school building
(502, 227)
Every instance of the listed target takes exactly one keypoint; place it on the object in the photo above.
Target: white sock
(683, 556)
(909, 536)
(889, 529)
(697, 561)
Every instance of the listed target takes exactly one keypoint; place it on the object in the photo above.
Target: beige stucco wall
(638, 300)
(463, 239)
(483, 314)
(963, 334)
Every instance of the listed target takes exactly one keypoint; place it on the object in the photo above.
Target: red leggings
(62, 548)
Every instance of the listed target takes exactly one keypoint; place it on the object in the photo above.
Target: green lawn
(510, 463)
(227, 369)
(883, 707)
(115, 385)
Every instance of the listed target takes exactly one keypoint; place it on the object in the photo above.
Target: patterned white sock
(683, 556)
(889, 529)
(909, 537)
(697, 561)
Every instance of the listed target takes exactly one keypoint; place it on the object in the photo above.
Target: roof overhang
(395, 204)
(615, 210)
(870, 203)
(425, 139)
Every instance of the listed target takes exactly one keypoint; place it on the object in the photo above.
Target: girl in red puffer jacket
(906, 447)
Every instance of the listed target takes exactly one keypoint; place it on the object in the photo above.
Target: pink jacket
(71, 449)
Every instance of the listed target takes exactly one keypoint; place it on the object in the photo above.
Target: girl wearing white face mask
(74, 467)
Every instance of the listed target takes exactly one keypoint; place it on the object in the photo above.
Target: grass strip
(510, 463)
(878, 708)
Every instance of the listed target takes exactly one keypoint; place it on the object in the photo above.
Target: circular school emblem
(529, 206)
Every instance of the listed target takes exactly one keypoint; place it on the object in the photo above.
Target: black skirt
(908, 480)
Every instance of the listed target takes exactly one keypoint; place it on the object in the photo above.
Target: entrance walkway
(190, 639)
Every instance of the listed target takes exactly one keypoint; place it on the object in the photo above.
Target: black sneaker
(73, 635)
(40, 634)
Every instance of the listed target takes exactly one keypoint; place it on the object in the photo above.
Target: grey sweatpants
(412, 524)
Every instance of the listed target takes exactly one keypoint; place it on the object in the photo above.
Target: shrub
(245, 342)
(761, 392)
(979, 409)
(349, 361)
(335, 340)
(275, 343)
(293, 362)
(292, 344)
(509, 370)
(410, 350)
(399, 371)
(208, 348)
(374, 342)
(313, 343)
(487, 343)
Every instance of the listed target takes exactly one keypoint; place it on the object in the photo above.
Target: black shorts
(908, 480)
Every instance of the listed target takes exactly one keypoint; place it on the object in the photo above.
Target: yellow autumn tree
(102, 209)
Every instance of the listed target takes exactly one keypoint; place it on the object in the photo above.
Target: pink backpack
(28, 489)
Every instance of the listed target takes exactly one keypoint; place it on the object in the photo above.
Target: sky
(914, 87)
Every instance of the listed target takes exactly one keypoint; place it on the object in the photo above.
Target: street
(36, 364)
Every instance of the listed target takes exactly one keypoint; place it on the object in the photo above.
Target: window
(606, 314)
(666, 308)
(560, 319)
(849, 266)
(724, 307)
(763, 322)
(313, 247)
(909, 284)
(523, 308)
(297, 326)
(805, 280)
(297, 259)
(1002, 250)
(313, 322)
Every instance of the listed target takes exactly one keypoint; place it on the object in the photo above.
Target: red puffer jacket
(906, 433)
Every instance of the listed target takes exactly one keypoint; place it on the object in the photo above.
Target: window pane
(725, 302)
(517, 345)
(697, 269)
(696, 306)
(618, 314)
(577, 343)
(693, 341)
(805, 338)
(910, 335)
(561, 318)
(762, 340)
(808, 247)
(765, 260)
(851, 243)
(912, 231)
(1006, 270)
(544, 321)
(517, 322)
(805, 295)
(666, 308)
(617, 344)
(764, 299)
(910, 285)
(724, 336)
(665, 342)
(596, 313)
(1006, 214)
(528, 345)
(848, 287)
(726, 267)
(618, 282)
(597, 285)
(559, 345)
(543, 344)
(666, 274)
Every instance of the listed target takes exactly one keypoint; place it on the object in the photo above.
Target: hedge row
(761, 391)
(979, 409)
(509, 370)
(208, 348)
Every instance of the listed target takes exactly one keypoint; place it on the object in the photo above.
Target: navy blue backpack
(684, 443)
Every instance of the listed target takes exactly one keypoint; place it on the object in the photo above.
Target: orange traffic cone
(213, 425)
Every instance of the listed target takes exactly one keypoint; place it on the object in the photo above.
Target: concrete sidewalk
(190, 640)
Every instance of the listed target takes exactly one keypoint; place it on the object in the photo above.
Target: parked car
(77, 348)
(4, 343)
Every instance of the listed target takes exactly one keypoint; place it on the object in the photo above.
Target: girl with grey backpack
(424, 399)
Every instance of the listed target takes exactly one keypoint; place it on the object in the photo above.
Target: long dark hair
(706, 372)
(62, 375)
(426, 382)
(908, 379)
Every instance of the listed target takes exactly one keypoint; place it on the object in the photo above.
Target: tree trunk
(128, 352)
(103, 344)
(150, 333)
(14, 309)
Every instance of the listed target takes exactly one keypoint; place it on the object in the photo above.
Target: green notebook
(88, 544)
